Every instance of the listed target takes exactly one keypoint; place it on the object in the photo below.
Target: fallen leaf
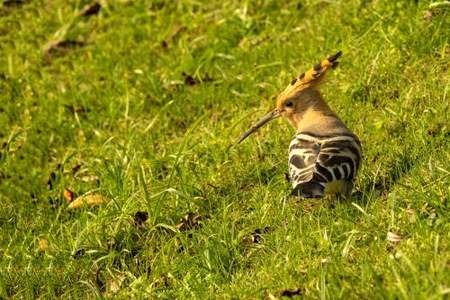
(79, 253)
(90, 9)
(51, 180)
(291, 292)
(190, 80)
(88, 200)
(189, 221)
(173, 37)
(60, 47)
(140, 217)
(68, 195)
(43, 245)
(32, 196)
(255, 237)
(75, 109)
(54, 203)
(75, 169)
(252, 239)
(393, 237)
(12, 3)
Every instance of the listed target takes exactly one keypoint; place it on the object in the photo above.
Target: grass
(140, 104)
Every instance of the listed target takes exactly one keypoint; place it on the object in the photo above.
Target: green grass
(117, 106)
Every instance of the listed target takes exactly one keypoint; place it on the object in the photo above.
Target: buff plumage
(324, 155)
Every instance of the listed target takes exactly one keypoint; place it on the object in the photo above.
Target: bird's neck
(314, 114)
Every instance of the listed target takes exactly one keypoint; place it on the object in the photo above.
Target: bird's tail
(309, 190)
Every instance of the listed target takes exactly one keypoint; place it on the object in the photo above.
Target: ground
(138, 102)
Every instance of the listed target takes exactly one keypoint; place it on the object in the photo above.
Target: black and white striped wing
(303, 157)
(323, 159)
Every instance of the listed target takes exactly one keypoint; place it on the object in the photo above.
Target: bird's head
(294, 99)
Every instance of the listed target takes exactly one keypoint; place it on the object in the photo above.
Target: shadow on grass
(383, 184)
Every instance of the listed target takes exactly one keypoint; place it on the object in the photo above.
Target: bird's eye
(288, 104)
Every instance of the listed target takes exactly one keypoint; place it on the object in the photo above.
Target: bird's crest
(313, 77)
(309, 80)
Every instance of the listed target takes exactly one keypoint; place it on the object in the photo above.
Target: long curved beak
(267, 118)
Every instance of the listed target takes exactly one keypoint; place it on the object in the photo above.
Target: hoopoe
(324, 155)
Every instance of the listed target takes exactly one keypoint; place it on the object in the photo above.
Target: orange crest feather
(313, 77)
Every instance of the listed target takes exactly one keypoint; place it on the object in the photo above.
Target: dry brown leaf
(88, 200)
(68, 195)
(173, 37)
(13, 3)
(291, 292)
(79, 253)
(75, 169)
(393, 237)
(256, 236)
(61, 46)
(90, 9)
(189, 221)
(43, 245)
(140, 217)
(51, 180)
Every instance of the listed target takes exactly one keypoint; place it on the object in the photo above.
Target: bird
(324, 154)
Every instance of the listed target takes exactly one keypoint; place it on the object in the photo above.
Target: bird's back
(320, 164)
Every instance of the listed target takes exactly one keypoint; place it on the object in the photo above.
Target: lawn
(138, 102)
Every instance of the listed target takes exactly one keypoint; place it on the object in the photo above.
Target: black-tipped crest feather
(320, 68)
(332, 58)
(314, 75)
